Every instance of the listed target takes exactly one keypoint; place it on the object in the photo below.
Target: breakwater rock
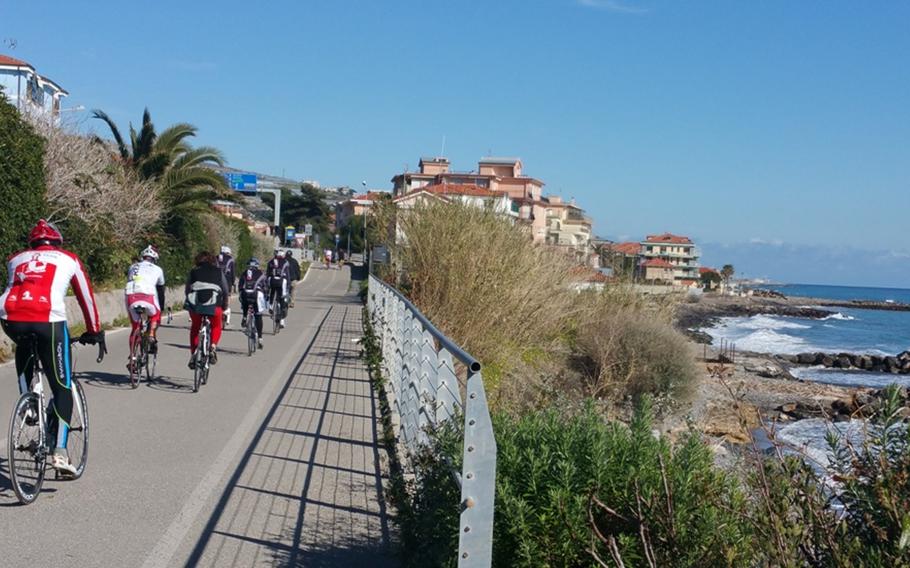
(897, 364)
(867, 305)
(860, 404)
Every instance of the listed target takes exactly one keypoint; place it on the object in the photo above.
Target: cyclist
(278, 274)
(206, 294)
(293, 272)
(145, 289)
(253, 287)
(33, 306)
(226, 264)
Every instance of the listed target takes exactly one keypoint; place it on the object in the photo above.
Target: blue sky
(773, 125)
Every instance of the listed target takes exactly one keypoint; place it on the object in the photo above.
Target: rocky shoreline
(758, 388)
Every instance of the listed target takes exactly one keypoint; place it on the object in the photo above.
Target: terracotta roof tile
(460, 189)
(12, 61)
(669, 238)
(627, 248)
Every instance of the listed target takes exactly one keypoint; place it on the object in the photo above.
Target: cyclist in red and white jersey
(33, 307)
(145, 289)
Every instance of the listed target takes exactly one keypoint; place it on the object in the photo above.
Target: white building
(27, 90)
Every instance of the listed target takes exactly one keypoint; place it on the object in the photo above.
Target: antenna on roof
(442, 153)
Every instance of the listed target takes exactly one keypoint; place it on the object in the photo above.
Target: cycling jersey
(38, 281)
(145, 286)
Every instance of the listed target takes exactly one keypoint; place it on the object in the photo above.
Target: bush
(478, 277)
(626, 354)
(22, 182)
(571, 487)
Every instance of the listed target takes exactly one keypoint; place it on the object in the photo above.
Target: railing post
(478, 479)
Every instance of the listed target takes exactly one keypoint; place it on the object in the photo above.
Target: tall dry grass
(479, 278)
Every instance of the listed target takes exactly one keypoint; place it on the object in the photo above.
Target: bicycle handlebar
(98, 340)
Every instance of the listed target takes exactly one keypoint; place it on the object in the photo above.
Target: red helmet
(45, 231)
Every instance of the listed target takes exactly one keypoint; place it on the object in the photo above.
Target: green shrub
(571, 486)
(22, 184)
(105, 257)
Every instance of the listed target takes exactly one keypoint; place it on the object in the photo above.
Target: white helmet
(225, 250)
(149, 252)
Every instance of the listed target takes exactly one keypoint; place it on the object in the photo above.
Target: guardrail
(420, 365)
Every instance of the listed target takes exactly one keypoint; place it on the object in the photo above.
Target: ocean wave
(850, 378)
(839, 316)
(766, 341)
(767, 322)
(808, 437)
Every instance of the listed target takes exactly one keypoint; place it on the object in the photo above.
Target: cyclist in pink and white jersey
(33, 309)
(145, 289)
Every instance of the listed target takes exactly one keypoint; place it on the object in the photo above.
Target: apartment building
(355, 206)
(677, 253)
(568, 228)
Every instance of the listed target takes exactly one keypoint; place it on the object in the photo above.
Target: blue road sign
(245, 183)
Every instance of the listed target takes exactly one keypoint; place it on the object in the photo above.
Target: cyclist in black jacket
(278, 274)
(207, 294)
(251, 284)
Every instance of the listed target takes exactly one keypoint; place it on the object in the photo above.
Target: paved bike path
(274, 462)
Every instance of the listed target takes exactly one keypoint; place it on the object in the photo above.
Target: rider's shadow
(104, 380)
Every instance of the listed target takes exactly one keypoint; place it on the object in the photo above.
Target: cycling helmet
(45, 233)
(254, 262)
(150, 252)
(277, 251)
(288, 254)
(225, 250)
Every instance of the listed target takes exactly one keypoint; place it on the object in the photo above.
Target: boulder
(806, 358)
(843, 362)
(863, 362)
(905, 368)
(904, 356)
(877, 361)
(892, 365)
(827, 361)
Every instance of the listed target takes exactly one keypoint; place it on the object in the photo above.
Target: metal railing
(420, 365)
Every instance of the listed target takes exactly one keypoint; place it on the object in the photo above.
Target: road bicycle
(250, 330)
(202, 356)
(141, 357)
(33, 426)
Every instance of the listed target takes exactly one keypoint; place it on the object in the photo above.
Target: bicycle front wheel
(27, 455)
(77, 442)
(276, 320)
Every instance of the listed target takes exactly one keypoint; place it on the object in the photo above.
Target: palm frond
(115, 132)
(198, 156)
(154, 166)
(146, 139)
(173, 138)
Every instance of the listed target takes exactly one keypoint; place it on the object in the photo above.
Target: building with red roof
(677, 251)
(27, 90)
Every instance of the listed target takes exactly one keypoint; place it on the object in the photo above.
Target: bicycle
(32, 432)
(140, 356)
(202, 356)
(252, 337)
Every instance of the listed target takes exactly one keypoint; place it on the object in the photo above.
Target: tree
(187, 185)
(307, 207)
(727, 272)
(710, 279)
(22, 181)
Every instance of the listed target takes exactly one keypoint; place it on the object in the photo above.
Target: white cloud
(618, 6)
(761, 241)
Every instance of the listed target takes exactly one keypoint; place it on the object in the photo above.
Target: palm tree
(186, 183)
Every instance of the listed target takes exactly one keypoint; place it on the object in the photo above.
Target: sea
(875, 332)
(847, 330)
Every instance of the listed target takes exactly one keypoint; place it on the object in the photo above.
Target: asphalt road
(162, 458)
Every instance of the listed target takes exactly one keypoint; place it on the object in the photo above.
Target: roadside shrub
(105, 255)
(478, 277)
(22, 181)
(627, 347)
(576, 490)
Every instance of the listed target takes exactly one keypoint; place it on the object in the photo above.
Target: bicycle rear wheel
(251, 333)
(77, 443)
(135, 359)
(27, 456)
(276, 319)
(207, 342)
